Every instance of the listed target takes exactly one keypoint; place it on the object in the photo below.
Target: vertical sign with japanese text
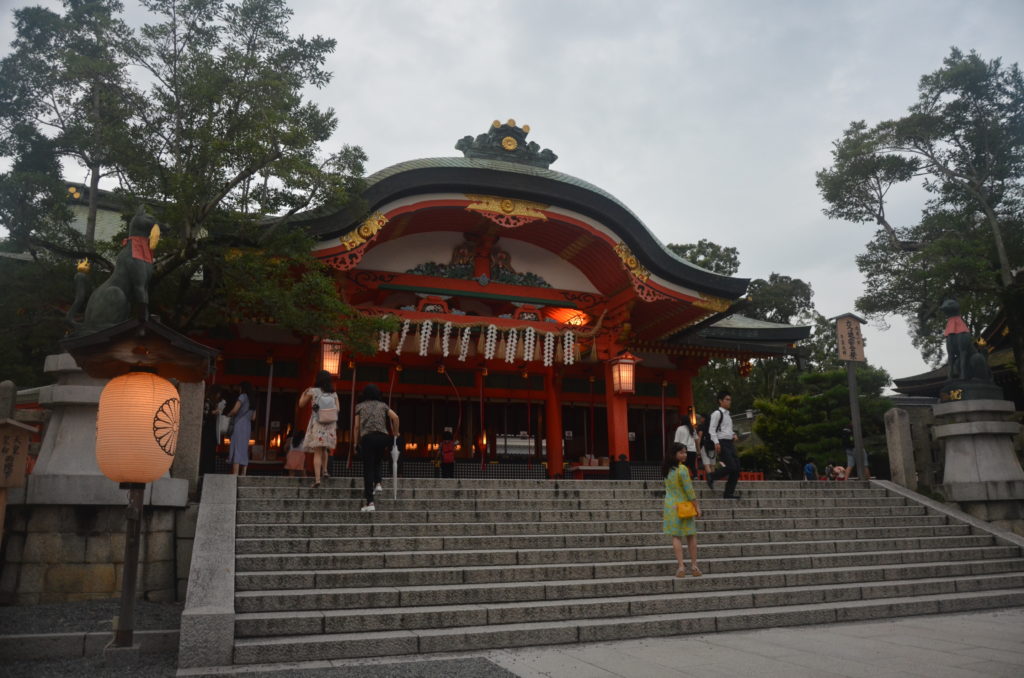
(14, 442)
(851, 343)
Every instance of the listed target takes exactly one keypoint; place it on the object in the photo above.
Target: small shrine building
(538, 319)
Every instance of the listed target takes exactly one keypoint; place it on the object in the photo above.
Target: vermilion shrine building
(517, 289)
(519, 293)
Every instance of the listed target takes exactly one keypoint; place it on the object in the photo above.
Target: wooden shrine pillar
(618, 419)
(684, 384)
(553, 424)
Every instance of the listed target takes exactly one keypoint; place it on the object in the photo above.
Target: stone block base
(58, 553)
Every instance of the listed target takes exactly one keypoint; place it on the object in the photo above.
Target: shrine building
(538, 319)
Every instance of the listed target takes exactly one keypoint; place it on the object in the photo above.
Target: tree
(65, 93)
(217, 138)
(709, 255)
(807, 425)
(780, 299)
(965, 139)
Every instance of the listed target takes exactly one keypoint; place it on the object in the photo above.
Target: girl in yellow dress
(679, 488)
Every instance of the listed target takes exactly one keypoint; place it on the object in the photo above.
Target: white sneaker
(377, 488)
(368, 508)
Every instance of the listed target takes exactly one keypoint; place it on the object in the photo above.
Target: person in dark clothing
(447, 455)
(720, 430)
(373, 418)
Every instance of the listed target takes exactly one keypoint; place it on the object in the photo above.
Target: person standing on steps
(720, 430)
(322, 431)
(679, 488)
(687, 438)
(371, 423)
(242, 416)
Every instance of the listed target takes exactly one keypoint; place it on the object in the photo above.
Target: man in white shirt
(720, 430)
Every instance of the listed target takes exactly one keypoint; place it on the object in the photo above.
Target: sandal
(315, 485)
(695, 571)
(681, 573)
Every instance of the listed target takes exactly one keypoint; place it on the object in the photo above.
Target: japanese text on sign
(851, 343)
(13, 450)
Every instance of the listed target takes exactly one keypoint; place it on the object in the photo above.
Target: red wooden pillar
(684, 384)
(553, 424)
(618, 420)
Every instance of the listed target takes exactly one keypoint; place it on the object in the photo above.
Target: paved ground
(90, 615)
(989, 643)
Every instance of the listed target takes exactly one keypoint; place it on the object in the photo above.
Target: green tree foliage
(964, 138)
(807, 425)
(64, 94)
(709, 255)
(214, 134)
(780, 299)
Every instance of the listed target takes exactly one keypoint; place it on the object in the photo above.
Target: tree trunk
(90, 221)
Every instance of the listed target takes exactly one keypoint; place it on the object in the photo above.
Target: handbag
(230, 428)
(686, 509)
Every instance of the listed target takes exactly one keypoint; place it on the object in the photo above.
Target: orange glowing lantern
(624, 373)
(137, 427)
(330, 356)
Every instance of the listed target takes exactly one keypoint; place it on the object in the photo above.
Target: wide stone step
(327, 646)
(299, 545)
(511, 572)
(768, 519)
(547, 555)
(527, 484)
(431, 506)
(256, 624)
(569, 530)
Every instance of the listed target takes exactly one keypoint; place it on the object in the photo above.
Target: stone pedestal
(67, 526)
(982, 472)
(900, 442)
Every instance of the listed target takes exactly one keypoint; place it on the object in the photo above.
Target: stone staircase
(456, 565)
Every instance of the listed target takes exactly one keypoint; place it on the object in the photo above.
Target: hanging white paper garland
(491, 342)
(384, 342)
(549, 349)
(568, 348)
(529, 343)
(425, 330)
(401, 337)
(464, 344)
(445, 337)
(510, 346)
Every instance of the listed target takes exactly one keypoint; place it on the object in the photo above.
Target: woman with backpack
(373, 417)
(322, 432)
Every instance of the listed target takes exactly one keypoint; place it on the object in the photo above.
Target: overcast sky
(708, 119)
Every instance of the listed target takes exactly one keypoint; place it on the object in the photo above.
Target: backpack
(326, 408)
(705, 441)
(448, 452)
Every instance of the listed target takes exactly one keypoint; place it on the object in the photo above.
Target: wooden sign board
(850, 341)
(14, 441)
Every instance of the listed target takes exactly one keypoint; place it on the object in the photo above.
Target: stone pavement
(965, 645)
(989, 643)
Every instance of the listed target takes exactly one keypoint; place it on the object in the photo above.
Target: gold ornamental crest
(631, 263)
(365, 232)
(509, 144)
(519, 208)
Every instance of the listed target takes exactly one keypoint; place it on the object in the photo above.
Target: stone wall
(57, 553)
